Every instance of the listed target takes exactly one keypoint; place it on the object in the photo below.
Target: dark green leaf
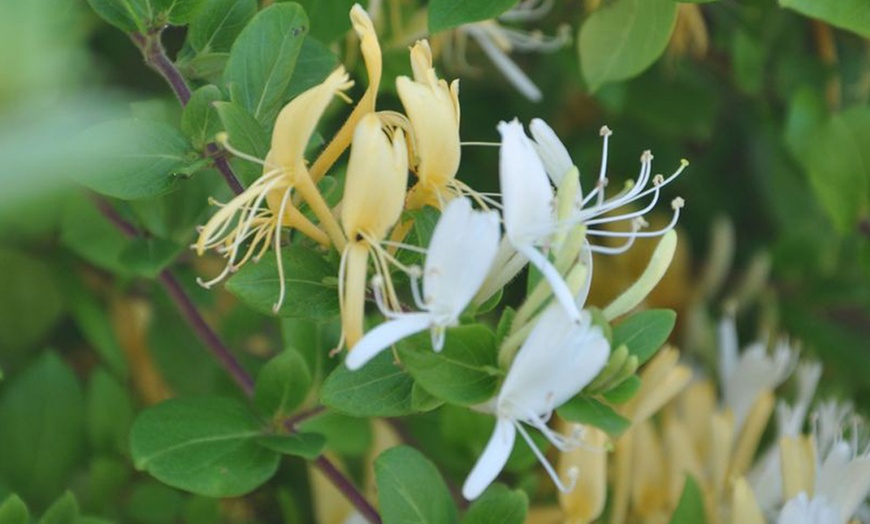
(447, 14)
(749, 60)
(282, 384)
(87, 233)
(14, 511)
(308, 276)
(852, 15)
(314, 64)
(587, 410)
(836, 160)
(305, 445)
(38, 458)
(200, 120)
(644, 333)
(498, 505)
(422, 400)
(205, 66)
(624, 391)
(93, 320)
(246, 135)
(107, 479)
(203, 445)
(329, 20)
(127, 15)
(64, 510)
(623, 38)
(345, 435)
(410, 489)
(218, 24)
(379, 389)
(132, 158)
(154, 503)
(147, 257)
(109, 413)
(30, 303)
(179, 12)
(690, 508)
(462, 373)
(263, 58)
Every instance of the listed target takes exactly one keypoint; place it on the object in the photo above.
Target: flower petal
(384, 336)
(461, 253)
(552, 151)
(492, 460)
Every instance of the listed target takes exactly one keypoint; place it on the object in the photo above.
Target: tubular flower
(462, 249)
(284, 170)
(371, 52)
(558, 359)
(498, 41)
(374, 192)
(433, 111)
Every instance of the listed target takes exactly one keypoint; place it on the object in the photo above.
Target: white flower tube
(558, 359)
(529, 207)
(463, 247)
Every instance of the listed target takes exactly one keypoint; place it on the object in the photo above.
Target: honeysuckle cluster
(816, 469)
(555, 347)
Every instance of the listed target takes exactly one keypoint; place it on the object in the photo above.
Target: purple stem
(348, 490)
(232, 366)
(157, 59)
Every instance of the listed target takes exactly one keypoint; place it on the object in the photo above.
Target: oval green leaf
(219, 22)
(205, 445)
(852, 15)
(379, 389)
(498, 505)
(410, 489)
(644, 333)
(585, 410)
(282, 384)
(622, 38)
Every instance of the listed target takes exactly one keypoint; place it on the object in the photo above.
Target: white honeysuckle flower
(558, 359)
(461, 252)
(745, 376)
(552, 151)
(529, 207)
(497, 41)
(803, 510)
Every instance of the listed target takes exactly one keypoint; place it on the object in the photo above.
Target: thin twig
(291, 422)
(155, 56)
(347, 489)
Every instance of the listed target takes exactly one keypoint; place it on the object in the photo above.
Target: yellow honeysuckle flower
(371, 52)
(284, 170)
(433, 112)
(374, 193)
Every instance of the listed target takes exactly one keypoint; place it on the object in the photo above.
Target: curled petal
(384, 336)
(492, 460)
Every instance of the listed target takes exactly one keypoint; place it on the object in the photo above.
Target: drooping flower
(433, 111)
(462, 249)
(284, 171)
(558, 359)
(374, 192)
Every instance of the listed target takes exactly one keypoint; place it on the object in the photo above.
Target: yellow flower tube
(374, 193)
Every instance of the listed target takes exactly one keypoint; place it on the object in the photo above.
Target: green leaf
(422, 400)
(379, 389)
(109, 413)
(462, 373)
(622, 38)
(127, 15)
(200, 121)
(148, 256)
(41, 429)
(218, 24)
(132, 158)
(624, 391)
(410, 489)
(837, 162)
(498, 505)
(93, 320)
(305, 445)
(282, 384)
(690, 508)
(329, 20)
(88, 234)
(447, 14)
(179, 12)
(307, 275)
(345, 435)
(314, 64)
(246, 135)
(644, 333)
(749, 55)
(263, 58)
(14, 511)
(154, 503)
(31, 301)
(852, 15)
(587, 410)
(64, 510)
(205, 445)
